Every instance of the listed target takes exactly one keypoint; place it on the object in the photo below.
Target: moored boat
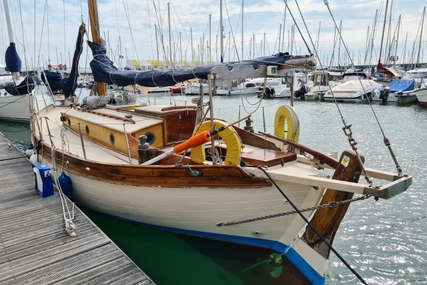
(355, 88)
(17, 91)
(421, 94)
(182, 169)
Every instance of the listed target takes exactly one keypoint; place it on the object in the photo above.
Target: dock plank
(34, 246)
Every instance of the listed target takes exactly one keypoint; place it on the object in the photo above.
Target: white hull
(240, 91)
(406, 98)
(188, 208)
(15, 108)
(194, 89)
(161, 91)
(198, 210)
(353, 91)
(421, 95)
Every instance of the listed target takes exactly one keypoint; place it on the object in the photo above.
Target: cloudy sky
(186, 30)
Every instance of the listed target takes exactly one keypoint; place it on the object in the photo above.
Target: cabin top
(162, 110)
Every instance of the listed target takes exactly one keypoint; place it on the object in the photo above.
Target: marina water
(384, 240)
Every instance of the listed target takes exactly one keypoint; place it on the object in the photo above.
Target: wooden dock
(34, 246)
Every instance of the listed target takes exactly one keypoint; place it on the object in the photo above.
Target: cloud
(140, 29)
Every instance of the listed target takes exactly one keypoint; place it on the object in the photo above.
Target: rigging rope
(67, 214)
(347, 127)
(332, 204)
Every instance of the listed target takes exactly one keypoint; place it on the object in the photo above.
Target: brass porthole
(112, 139)
(151, 138)
(87, 130)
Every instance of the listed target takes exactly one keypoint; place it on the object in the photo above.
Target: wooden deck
(34, 246)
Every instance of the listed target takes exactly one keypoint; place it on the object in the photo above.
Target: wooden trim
(327, 221)
(332, 162)
(214, 176)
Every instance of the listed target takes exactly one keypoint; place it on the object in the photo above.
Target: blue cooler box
(43, 179)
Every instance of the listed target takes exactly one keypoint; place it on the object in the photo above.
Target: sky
(186, 30)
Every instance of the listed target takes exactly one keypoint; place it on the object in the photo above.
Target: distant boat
(421, 94)
(179, 89)
(195, 87)
(322, 81)
(233, 87)
(15, 93)
(420, 77)
(405, 90)
(355, 88)
(281, 88)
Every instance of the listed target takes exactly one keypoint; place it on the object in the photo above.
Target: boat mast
(96, 36)
(170, 37)
(382, 37)
(192, 48)
(9, 31)
(242, 28)
(421, 36)
(221, 32)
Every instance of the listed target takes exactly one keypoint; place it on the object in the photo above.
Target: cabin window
(150, 137)
(69, 122)
(87, 130)
(112, 139)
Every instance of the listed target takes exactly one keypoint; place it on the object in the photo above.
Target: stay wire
(346, 127)
(385, 139)
(312, 227)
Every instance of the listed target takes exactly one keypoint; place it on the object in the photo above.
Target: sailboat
(17, 91)
(181, 169)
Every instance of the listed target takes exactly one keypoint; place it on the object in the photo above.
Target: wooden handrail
(332, 162)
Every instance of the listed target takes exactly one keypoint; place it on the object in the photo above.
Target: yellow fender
(286, 123)
(229, 136)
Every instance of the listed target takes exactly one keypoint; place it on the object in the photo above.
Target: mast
(210, 39)
(180, 51)
(192, 48)
(157, 46)
(398, 34)
(283, 32)
(318, 37)
(170, 37)
(339, 45)
(382, 37)
(421, 35)
(371, 46)
(96, 36)
(12, 43)
(242, 29)
(221, 32)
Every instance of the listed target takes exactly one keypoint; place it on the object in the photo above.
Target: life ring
(286, 116)
(228, 135)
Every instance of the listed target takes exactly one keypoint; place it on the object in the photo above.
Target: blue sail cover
(25, 87)
(397, 85)
(104, 70)
(13, 62)
(69, 84)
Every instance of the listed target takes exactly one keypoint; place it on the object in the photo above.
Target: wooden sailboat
(181, 169)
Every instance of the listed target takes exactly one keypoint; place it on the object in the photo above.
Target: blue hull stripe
(291, 254)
